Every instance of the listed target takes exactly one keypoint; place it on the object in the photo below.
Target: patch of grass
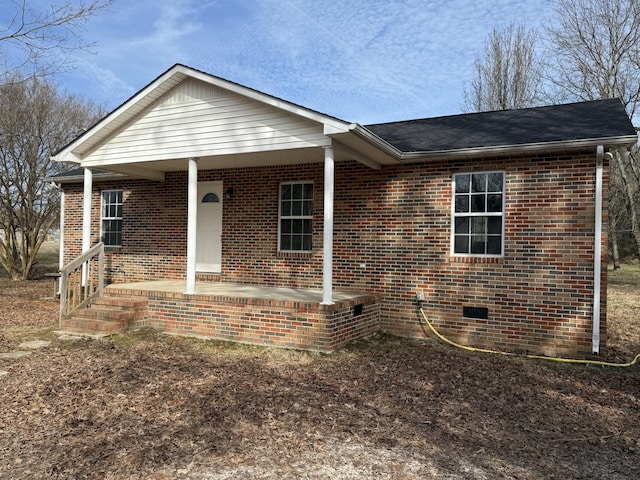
(47, 260)
(214, 347)
(26, 334)
(134, 337)
(627, 274)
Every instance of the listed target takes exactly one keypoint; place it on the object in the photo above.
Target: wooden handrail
(77, 262)
(77, 281)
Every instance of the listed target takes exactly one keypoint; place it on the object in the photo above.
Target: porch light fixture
(228, 194)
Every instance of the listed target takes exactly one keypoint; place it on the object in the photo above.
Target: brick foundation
(280, 323)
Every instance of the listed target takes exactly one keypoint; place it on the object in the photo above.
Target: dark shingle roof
(557, 123)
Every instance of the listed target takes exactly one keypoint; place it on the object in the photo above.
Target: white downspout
(327, 241)
(597, 252)
(58, 187)
(192, 225)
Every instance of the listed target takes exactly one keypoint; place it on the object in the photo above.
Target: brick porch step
(107, 315)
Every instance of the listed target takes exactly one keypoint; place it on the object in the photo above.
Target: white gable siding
(199, 120)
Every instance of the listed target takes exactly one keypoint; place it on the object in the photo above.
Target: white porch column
(61, 254)
(86, 217)
(86, 210)
(192, 225)
(327, 241)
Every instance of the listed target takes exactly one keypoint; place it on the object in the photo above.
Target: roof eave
(97, 177)
(500, 150)
(375, 140)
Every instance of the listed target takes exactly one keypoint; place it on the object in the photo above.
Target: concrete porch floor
(237, 290)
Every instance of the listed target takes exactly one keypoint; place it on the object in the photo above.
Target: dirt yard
(156, 407)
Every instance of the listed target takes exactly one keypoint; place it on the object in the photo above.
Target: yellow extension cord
(540, 357)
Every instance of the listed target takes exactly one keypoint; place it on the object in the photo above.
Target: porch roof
(145, 136)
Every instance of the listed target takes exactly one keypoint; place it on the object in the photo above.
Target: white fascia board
(66, 156)
(330, 129)
(116, 115)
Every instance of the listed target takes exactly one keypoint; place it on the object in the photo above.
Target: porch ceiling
(154, 170)
(241, 160)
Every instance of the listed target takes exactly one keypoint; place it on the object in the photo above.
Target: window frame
(104, 217)
(282, 217)
(479, 214)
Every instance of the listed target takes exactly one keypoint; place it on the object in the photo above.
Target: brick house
(237, 215)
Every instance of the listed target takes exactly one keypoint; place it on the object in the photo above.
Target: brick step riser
(92, 326)
(120, 302)
(115, 308)
(107, 315)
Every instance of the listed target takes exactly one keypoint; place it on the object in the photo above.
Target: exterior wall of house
(392, 238)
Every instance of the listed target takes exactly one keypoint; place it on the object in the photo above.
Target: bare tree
(40, 41)
(508, 74)
(595, 48)
(35, 121)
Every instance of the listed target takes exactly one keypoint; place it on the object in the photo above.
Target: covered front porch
(253, 314)
(197, 177)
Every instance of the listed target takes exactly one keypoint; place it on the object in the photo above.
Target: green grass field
(627, 274)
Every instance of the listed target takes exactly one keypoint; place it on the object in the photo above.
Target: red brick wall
(392, 238)
(281, 323)
(153, 231)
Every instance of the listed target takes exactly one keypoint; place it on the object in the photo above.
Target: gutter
(100, 176)
(524, 147)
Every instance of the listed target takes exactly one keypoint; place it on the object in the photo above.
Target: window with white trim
(111, 218)
(478, 214)
(295, 212)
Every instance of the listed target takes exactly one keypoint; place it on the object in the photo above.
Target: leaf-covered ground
(150, 406)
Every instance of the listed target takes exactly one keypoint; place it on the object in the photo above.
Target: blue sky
(363, 61)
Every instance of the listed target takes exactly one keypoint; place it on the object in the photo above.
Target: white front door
(209, 237)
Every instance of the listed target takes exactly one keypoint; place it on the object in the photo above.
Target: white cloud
(362, 61)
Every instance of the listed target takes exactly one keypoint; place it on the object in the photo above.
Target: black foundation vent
(475, 312)
(357, 310)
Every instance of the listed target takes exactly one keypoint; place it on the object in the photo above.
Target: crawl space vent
(475, 312)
